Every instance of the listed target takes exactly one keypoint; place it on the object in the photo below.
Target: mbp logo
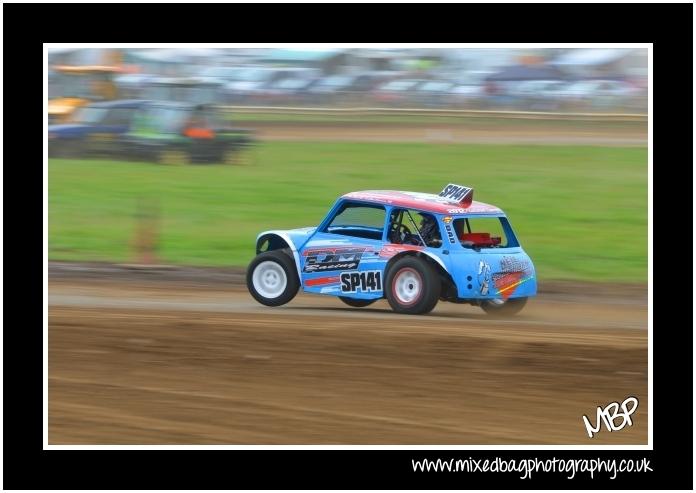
(610, 414)
(323, 260)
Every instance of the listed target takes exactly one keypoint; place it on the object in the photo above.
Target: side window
(484, 232)
(414, 228)
(359, 220)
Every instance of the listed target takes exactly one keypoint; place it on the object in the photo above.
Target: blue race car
(411, 248)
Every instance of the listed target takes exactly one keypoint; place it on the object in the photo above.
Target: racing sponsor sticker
(450, 233)
(363, 282)
(513, 272)
(329, 259)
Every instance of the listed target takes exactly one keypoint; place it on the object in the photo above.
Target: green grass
(579, 211)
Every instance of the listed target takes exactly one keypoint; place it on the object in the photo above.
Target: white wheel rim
(407, 286)
(269, 279)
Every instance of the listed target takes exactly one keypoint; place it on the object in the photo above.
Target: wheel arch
(278, 240)
(448, 283)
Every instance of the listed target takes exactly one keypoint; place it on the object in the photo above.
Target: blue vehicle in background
(93, 128)
(414, 249)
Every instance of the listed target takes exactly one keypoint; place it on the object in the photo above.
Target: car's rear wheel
(504, 307)
(412, 286)
(272, 278)
(355, 302)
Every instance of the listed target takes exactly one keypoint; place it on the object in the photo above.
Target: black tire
(510, 307)
(355, 302)
(424, 288)
(256, 286)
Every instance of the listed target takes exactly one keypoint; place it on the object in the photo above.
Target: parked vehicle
(337, 87)
(288, 90)
(535, 95)
(228, 74)
(253, 83)
(594, 93)
(397, 91)
(93, 129)
(433, 93)
(466, 95)
(370, 246)
(183, 133)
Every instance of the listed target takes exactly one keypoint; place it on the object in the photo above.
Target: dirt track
(135, 362)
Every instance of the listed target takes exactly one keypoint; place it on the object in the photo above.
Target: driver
(429, 230)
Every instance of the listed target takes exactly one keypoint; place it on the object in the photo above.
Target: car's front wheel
(272, 278)
(504, 307)
(355, 302)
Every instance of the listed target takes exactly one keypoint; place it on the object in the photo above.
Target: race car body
(411, 248)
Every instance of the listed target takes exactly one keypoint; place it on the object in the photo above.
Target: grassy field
(580, 212)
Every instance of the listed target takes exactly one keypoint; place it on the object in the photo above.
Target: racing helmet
(428, 228)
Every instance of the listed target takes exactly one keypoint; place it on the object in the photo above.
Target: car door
(343, 257)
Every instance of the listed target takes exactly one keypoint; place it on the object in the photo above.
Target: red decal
(320, 281)
(389, 251)
(507, 283)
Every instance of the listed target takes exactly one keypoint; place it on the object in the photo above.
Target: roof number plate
(458, 193)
